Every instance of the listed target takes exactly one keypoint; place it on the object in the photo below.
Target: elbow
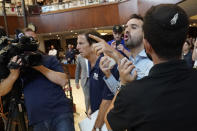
(64, 82)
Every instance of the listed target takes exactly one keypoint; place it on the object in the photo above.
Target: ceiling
(190, 6)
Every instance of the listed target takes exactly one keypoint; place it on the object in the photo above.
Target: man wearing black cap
(165, 100)
(118, 42)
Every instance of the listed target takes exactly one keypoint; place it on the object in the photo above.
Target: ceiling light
(103, 33)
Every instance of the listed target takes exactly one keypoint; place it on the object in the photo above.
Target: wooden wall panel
(77, 19)
(85, 17)
(14, 22)
(126, 9)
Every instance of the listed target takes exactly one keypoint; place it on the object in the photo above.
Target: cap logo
(174, 19)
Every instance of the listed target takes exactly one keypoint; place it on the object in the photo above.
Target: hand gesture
(77, 85)
(105, 66)
(102, 47)
(14, 66)
(125, 68)
(120, 47)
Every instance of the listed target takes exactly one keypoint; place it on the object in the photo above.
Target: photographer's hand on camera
(7, 83)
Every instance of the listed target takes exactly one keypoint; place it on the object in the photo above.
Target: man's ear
(147, 46)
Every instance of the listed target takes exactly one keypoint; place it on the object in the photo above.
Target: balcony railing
(66, 4)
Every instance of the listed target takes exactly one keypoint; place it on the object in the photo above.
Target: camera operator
(45, 101)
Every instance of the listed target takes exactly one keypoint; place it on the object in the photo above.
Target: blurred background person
(70, 54)
(52, 51)
(82, 72)
(194, 55)
(187, 54)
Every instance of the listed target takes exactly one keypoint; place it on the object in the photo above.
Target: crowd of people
(143, 82)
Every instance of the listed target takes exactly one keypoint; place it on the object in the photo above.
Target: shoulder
(137, 88)
(48, 59)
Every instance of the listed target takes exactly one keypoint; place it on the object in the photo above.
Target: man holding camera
(118, 42)
(45, 101)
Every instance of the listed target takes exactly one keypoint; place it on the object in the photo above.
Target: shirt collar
(141, 54)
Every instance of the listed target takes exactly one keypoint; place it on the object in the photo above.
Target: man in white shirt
(52, 51)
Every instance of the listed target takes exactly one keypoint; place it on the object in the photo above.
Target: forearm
(7, 84)
(102, 110)
(112, 83)
(117, 56)
(108, 110)
(58, 78)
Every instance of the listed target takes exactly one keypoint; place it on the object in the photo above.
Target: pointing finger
(96, 38)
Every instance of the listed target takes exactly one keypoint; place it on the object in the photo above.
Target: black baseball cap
(169, 16)
(117, 29)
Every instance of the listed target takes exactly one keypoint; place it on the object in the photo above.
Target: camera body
(118, 42)
(25, 49)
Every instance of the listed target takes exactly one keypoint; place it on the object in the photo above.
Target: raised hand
(125, 68)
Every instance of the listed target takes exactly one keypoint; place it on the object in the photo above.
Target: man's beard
(133, 43)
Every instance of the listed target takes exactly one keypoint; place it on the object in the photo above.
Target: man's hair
(136, 16)
(28, 30)
(165, 28)
(92, 32)
(189, 44)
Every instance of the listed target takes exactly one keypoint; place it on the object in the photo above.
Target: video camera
(22, 46)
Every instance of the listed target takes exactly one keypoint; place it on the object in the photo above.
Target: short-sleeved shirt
(98, 88)
(165, 100)
(43, 98)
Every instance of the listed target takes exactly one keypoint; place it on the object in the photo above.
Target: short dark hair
(189, 44)
(136, 16)
(165, 28)
(92, 32)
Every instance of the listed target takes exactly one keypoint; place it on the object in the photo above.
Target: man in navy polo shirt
(100, 95)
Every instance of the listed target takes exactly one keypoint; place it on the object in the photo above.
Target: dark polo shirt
(98, 88)
(163, 101)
